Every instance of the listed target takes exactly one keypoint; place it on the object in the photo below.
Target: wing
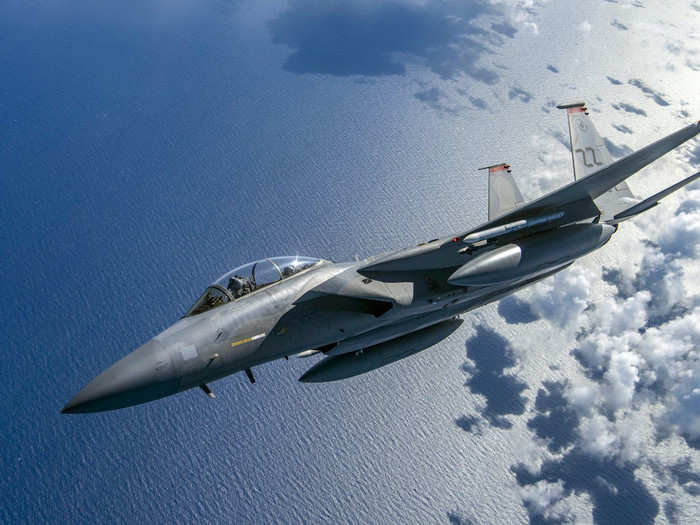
(504, 194)
(589, 154)
(576, 200)
(572, 203)
(652, 201)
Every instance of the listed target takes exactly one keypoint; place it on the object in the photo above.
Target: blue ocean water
(148, 148)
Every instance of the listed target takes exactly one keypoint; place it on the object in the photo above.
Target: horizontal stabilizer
(652, 201)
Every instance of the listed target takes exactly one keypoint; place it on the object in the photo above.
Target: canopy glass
(248, 278)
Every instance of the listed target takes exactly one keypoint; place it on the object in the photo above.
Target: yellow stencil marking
(247, 339)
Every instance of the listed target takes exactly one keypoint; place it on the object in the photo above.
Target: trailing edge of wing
(594, 185)
(652, 201)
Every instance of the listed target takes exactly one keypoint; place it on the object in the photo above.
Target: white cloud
(562, 298)
(522, 12)
(621, 379)
(553, 167)
(584, 27)
(597, 436)
(641, 345)
(545, 499)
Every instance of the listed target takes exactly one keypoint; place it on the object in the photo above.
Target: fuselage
(333, 308)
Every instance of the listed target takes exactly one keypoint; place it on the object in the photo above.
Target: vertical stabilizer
(504, 194)
(589, 154)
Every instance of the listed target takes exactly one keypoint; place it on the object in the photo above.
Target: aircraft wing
(572, 203)
(652, 201)
(575, 200)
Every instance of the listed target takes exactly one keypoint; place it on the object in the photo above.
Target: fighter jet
(362, 315)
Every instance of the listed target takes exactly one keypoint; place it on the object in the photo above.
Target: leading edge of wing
(597, 183)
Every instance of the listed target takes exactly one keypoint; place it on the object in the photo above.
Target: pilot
(239, 286)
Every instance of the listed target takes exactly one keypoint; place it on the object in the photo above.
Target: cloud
(616, 494)
(522, 12)
(541, 498)
(597, 437)
(679, 236)
(638, 344)
(562, 298)
(553, 166)
(584, 27)
(638, 348)
(621, 378)
(389, 37)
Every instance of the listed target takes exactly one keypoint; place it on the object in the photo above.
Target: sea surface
(148, 147)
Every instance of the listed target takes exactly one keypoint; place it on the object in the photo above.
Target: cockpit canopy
(248, 278)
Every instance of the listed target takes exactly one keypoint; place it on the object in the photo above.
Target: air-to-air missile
(363, 315)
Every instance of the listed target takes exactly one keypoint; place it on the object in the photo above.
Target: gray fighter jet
(363, 315)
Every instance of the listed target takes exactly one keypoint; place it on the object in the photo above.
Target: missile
(511, 227)
(351, 364)
(532, 255)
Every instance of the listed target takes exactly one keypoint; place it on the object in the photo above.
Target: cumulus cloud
(679, 236)
(597, 436)
(584, 27)
(553, 165)
(638, 346)
(621, 378)
(563, 298)
(522, 12)
(543, 499)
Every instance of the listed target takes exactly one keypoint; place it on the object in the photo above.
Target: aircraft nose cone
(145, 374)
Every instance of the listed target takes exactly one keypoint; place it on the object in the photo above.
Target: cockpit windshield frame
(249, 278)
